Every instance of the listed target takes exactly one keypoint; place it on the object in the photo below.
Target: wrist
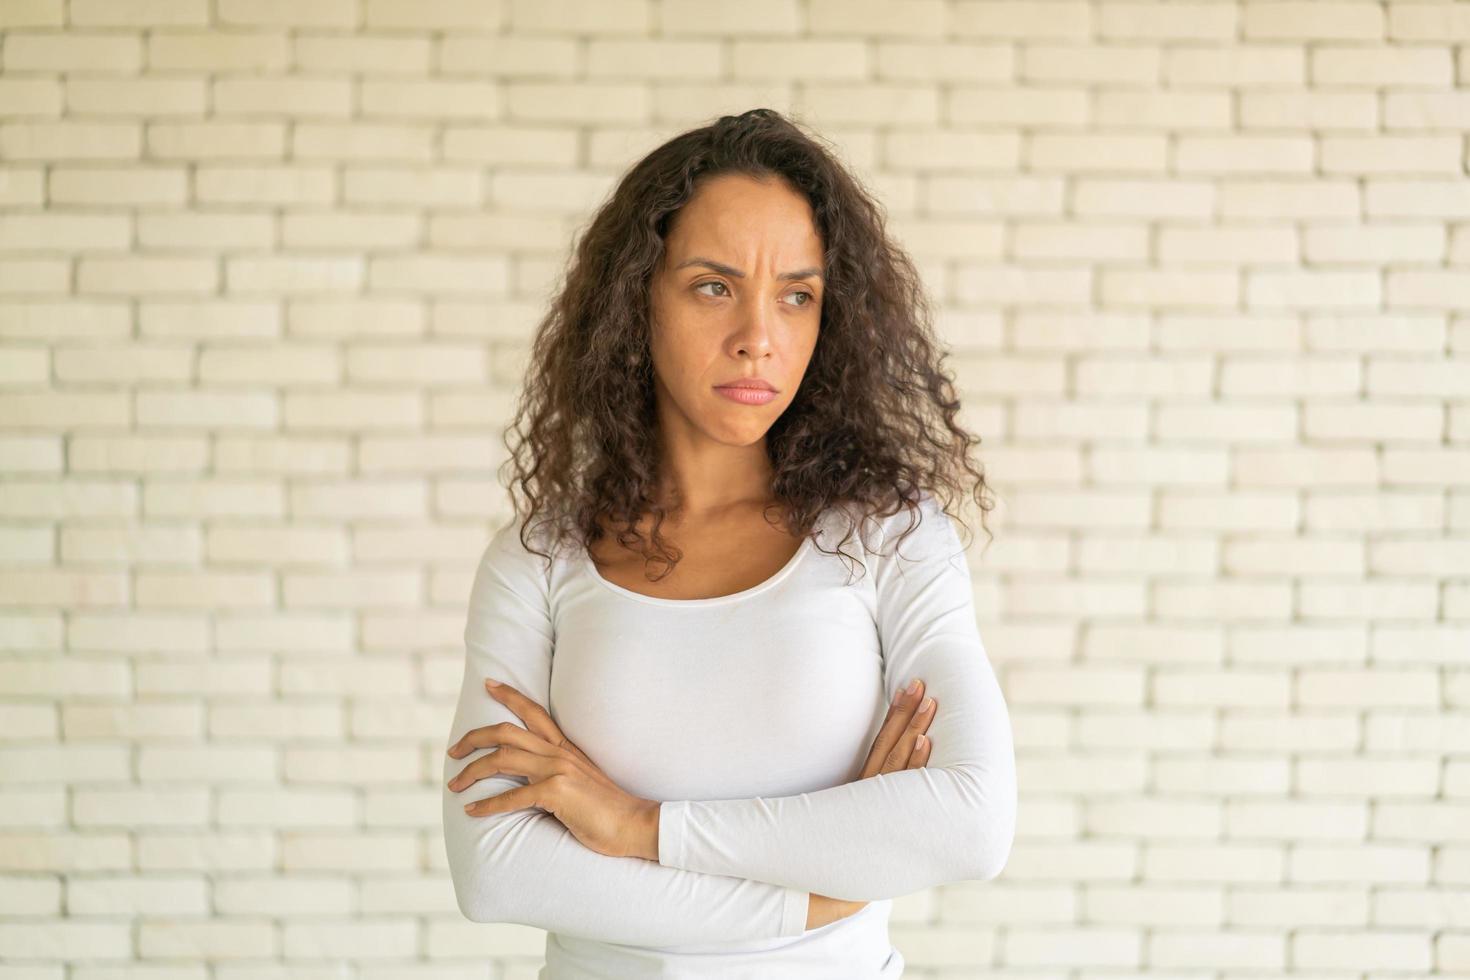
(645, 839)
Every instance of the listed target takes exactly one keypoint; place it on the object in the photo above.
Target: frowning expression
(738, 296)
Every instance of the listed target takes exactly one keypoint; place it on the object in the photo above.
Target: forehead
(733, 217)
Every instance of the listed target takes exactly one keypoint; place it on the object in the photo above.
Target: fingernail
(491, 683)
(919, 742)
(914, 686)
(928, 703)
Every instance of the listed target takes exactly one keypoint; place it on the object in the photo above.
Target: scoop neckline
(770, 583)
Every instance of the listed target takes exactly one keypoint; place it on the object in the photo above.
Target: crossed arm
(743, 869)
(525, 866)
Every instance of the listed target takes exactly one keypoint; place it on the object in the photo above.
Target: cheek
(680, 361)
(683, 346)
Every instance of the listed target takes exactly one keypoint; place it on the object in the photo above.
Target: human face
(739, 295)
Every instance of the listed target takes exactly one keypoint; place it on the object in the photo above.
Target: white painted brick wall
(268, 270)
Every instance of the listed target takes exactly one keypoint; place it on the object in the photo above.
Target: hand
(901, 742)
(896, 747)
(563, 780)
(823, 911)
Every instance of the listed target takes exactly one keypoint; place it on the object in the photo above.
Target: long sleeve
(895, 833)
(525, 866)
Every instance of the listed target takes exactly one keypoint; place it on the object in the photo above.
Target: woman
(718, 770)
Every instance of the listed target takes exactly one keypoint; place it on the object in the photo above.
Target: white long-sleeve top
(749, 716)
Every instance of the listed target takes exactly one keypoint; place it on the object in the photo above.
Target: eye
(810, 298)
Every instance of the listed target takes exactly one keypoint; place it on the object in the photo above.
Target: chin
(749, 436)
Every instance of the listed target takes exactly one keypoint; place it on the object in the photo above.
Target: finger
(538, 720)
(903, 744)
(518, 798)
(900, 712)
(923, 716)
(508, 760)
(525, 709)
(920, 758)
(500, 733)
(503, 737)
(903, 751)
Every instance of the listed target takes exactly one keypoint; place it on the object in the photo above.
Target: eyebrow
(730, 270)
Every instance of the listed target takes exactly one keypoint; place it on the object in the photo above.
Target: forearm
(883, 837)
(887, 835)
(525, 867)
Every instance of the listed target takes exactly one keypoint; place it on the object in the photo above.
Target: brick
(151, 97)
(65, 410)
(218, 183)
(22, 186)
(295, 96)
(351, 230)
(195, 498)
(1173, 20)
(117, 186)
(655, 59)
(431, 15)
(26, 97)
(217, 141)
(376, 54)
(436, 187)
(1382, 67)
(206, 409)
(439, 273)
(64, 318)
(293, 364)
(207, 230)
(140, 13)
(424, 98)
(210, 318)
(357, 318)
(508, 55)
(912, 61)
(610, 16)
(1023, 19)
(211, 51)
(1313, 20)
(348, 410)
(363, 142)
(70, 141)
(32, 13)
(287, 13)
(151, 274)
(138, 455)
(73, 51)
(293, 547)
(65, 232)
(143, 545)
(294, 273)
(124, 364)
(25, 454)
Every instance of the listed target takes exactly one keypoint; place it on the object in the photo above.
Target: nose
(754, 334)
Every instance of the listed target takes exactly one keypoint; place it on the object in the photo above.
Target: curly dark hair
(871, 426)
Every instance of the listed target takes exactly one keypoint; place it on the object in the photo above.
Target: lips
(748, 391)
(760, 384)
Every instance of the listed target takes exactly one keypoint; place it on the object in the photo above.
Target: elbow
(994, 853)
(465, 850)
(470, 908)
(478, 850)
(471, 898)
(996, 826)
